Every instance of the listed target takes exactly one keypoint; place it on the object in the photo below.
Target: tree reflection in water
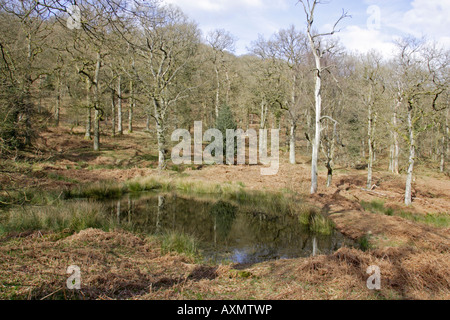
(226, 232)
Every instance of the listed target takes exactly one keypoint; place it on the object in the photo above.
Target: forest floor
(412, 253)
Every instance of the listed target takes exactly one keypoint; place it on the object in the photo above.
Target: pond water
(226, 231)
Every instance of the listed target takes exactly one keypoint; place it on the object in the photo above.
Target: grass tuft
(316, 223)
(181, 243)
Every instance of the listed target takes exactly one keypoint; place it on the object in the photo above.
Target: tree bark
(217, 105)
(160, 117)
(119, 107)
(98, 115)
(412, 155)
(263, 114)
(58, 100)
(89, 107)
(292, 143)
(97, 130)
(318, 127)
(396, 150)
(371, 143)
(331, 154)
(113, 113)
(131, 110)
(88, 136)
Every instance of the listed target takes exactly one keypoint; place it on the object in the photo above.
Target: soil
(414, 258)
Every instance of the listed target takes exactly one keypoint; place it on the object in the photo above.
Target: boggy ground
(414, 257)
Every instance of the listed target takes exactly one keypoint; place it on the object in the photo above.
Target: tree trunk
(331, 154)
(442, 165)
(227, 97)
(292, 143)
(412, 155)
(97, 130)
(98, 115)
(391, 159)
(371, 143)
(58, 100)
(445, 143)
(217, 92)
(396, 150)
(132, 105)
(89, 114)
(113, 113)
(263, 115)
(318, 130)
(161, 132)
(147, 124)
(88, 124)
(119, 107)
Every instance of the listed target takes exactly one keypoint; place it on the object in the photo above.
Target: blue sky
(246, 19)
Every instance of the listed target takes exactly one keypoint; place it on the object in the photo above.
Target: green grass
(70, 216)
(29, 197)
(316, 223)
(364, 243)
(377, 206)
(440, 220)
(180, 243)
(97, 191)
(58, 177)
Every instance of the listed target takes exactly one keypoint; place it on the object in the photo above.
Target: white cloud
(425, 18)
(362, 40)
(247, 18)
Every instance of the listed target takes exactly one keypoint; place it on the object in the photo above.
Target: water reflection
(226, 232)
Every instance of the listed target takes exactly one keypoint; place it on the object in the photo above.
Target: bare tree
(319, 49)
(168, 44)
(421, 76)
(220, 41)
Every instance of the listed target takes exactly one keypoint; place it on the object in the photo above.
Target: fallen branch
(377, 193)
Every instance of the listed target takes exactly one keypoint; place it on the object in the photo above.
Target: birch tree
(421, 77)
(319, 49)
(220, 41)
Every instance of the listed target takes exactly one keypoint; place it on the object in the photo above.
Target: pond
(226, 232)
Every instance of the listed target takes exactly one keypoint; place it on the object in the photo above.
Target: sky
(375, 24)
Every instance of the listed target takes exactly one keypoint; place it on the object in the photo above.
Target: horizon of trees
(134, 60)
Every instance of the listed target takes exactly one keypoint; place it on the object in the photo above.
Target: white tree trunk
(318, 129)
(396, 155)
(412, 155)
(96, 130)
(217, 92)
(161, 133)
(292, 143)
